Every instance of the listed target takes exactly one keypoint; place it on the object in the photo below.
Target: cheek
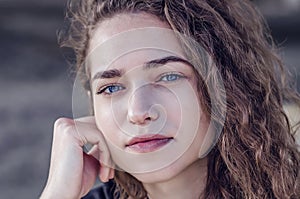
(191, 112)
(193, 131)
(170, 109)
(105, 120)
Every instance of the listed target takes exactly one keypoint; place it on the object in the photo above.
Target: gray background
(36, 88)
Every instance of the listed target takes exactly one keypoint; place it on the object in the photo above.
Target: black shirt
(103, 191)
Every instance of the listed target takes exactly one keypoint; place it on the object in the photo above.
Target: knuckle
(63, 123)
(64, 129)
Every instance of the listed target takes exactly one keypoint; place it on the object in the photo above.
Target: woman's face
(145, 98)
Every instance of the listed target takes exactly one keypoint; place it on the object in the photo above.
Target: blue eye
(108, 90)
(170, 77)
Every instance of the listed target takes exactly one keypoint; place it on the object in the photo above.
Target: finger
(94, 151)
(88, 132)
(112, 173)
(112, 170)
(90, 169)
(104, 158)
(86, 119)
(83, 130)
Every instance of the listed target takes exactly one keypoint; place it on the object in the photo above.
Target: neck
(189, 183)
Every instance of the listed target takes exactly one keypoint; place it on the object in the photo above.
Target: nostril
(148, 118)
(142, 118)
(154, 112)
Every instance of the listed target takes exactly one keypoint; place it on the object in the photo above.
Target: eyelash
(103, 89)
(178, 76)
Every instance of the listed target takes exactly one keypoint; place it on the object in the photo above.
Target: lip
(148, 143)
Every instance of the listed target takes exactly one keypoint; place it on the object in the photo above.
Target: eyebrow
(148, 65)
(163, 61)
(108, 74)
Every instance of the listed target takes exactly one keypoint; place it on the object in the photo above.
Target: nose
(141, 107)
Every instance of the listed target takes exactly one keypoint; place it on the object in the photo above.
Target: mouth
(148, 143)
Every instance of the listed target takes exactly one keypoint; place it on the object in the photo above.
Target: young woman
(187, 102)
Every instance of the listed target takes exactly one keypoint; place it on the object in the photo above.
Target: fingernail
(111, 174)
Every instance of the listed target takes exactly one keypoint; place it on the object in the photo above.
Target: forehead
(141, 36)
(121, 23)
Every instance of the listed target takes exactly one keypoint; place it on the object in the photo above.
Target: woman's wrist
(49, 193)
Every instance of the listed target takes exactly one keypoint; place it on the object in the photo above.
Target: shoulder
(103, 191)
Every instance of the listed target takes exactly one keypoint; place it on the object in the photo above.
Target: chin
(166, 173)
(161, 175)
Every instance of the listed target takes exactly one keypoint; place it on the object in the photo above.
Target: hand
(73, 172)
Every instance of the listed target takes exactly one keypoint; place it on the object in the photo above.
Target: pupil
(113, 89)
(172, 77)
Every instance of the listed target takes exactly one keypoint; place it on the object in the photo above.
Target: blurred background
(36, 88)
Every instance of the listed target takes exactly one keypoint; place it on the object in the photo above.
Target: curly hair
(256, 154)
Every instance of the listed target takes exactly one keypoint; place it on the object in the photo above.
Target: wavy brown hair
(256, 155)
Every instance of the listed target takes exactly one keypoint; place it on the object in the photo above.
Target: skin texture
(147, 93)
(69, 166)
(137, 103)
(255, 155)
